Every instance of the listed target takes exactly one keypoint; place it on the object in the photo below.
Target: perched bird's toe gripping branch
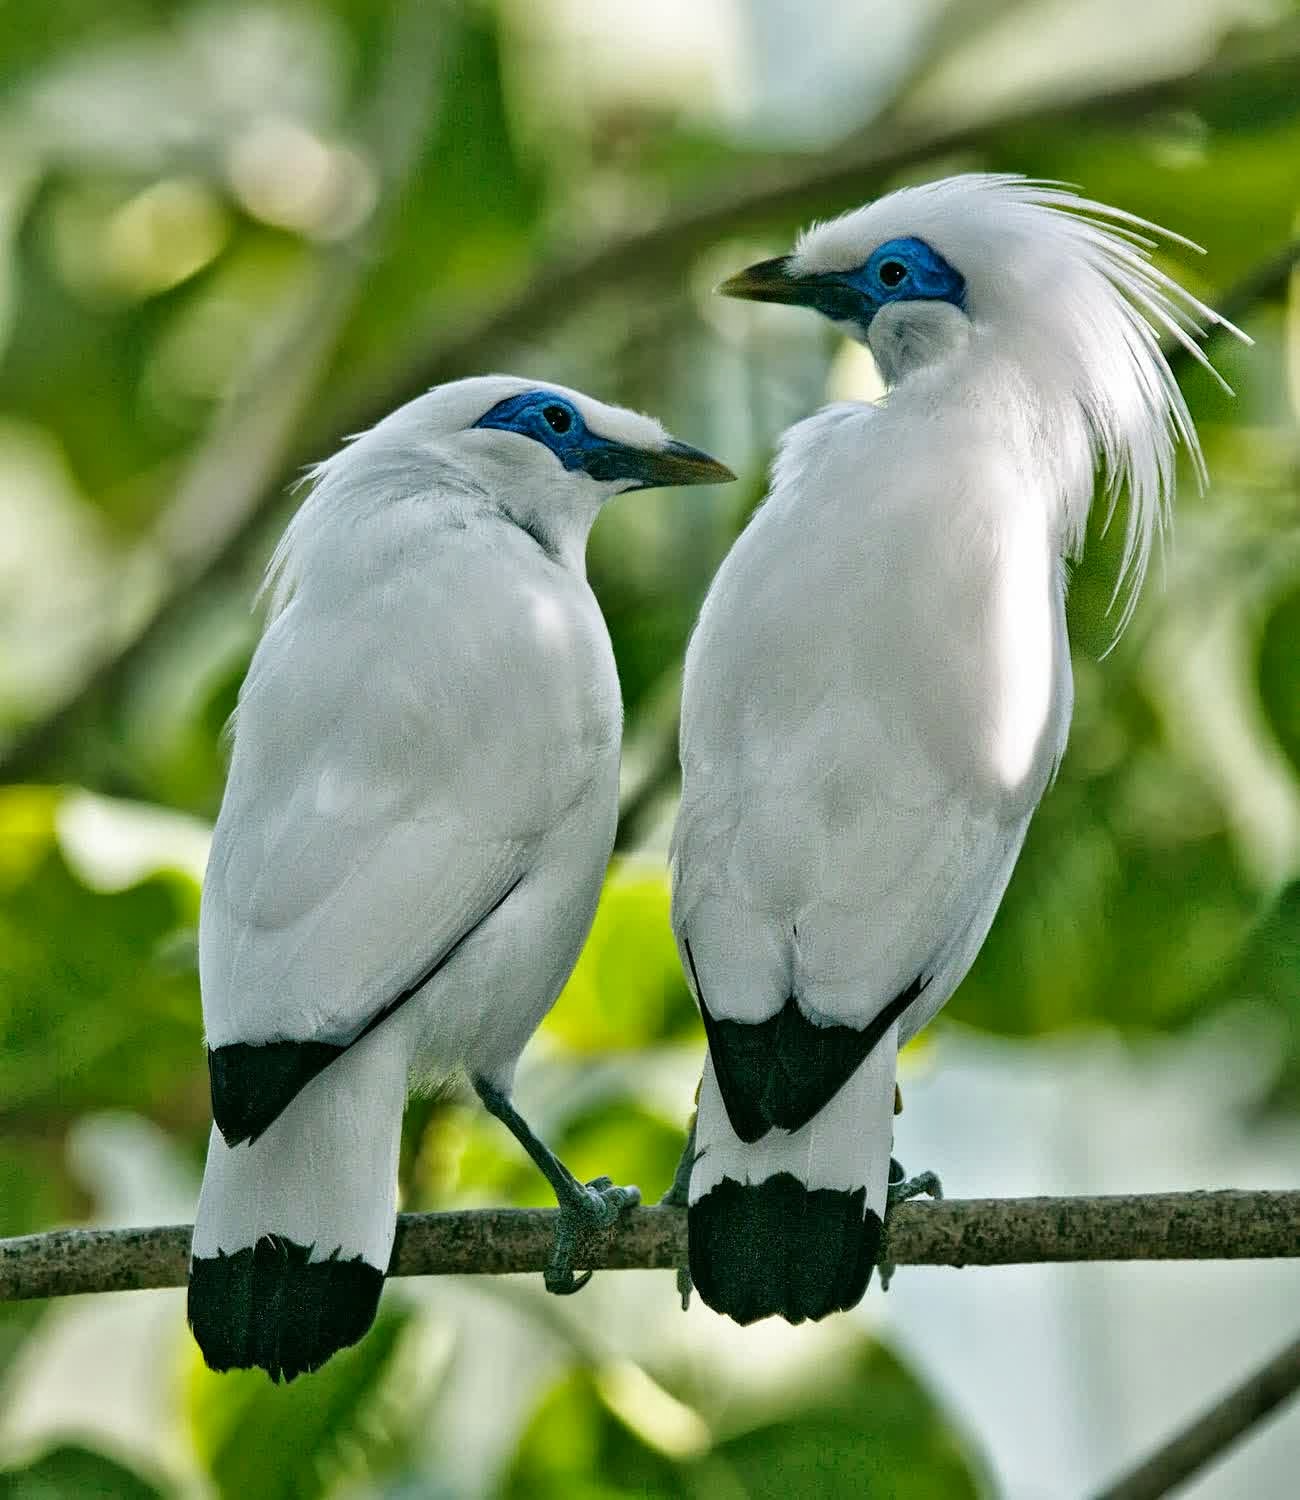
(585, 1208)
(903, 1188)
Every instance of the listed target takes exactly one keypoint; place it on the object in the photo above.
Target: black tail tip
(267, 1306)
(778, 1248)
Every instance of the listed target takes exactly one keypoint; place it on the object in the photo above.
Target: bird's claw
(591, 1207)
(678, 1196)
(685, 1286)
(901, 1188)
(560, 1279)
(913, 1187)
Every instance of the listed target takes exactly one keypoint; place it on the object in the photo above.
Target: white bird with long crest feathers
(421, 805)
(878, 690)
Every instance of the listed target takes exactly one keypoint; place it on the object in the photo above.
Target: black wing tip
(252, 1082)
(779, 1073)
(268, 1307)
(781, 1249)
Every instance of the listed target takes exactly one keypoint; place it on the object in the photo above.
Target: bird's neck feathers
(368, 511)
(1061, 355)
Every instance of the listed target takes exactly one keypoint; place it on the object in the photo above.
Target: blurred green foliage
(205, 207)
(66, 1471)
(862, 1427)
(296, 1441)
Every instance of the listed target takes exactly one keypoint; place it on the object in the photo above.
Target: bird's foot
(685, 1286)
(585, 1210)
(901, 1188)
(679, 1196)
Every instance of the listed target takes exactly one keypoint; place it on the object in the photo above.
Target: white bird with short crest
(421, 805)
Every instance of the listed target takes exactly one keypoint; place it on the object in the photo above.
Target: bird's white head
(539, 456)
(1048, 302)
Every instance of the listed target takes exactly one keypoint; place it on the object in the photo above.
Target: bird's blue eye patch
(549, 419)
(555, 422)
(902, 270)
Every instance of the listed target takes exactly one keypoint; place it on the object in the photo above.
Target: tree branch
(1214, 1431)
(971, 1232)
(844, 175)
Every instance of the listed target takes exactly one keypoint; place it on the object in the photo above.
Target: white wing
(399, 755)
(874, 700)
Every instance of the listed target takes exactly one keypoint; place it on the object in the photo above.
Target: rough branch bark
(971, 1232)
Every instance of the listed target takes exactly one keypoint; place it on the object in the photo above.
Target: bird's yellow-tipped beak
(679, 463)
(768, 281)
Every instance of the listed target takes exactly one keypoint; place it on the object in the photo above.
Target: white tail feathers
(790, 1225)
(294, 1232)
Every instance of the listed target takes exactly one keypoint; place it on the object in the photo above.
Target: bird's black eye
(892, 272)
(558, 418)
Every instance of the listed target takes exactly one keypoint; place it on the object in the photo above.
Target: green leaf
(463, 224)
(1279, 674)
(94, 1013)
(70, 1472)
(627, 990)
(576, 1448)
(869, 1431)
(297, 1441)
(864, 1427)
(89, 1019)
(1268, 974)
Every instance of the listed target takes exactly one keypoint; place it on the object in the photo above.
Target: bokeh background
(232, 233)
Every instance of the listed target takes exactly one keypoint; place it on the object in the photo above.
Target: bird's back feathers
(377, 807)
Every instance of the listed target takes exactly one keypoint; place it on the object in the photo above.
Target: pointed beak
(655, 468)
(679, 463)
(768, 281)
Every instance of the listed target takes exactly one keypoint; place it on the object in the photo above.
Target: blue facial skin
(902, 270)
(553, 420)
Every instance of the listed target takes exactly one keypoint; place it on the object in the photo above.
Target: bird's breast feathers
(887, 623)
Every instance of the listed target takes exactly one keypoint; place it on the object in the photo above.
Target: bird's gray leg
(678, 1196)
(901, 1188)
(583, 1206)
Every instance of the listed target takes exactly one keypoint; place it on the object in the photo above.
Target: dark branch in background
(1214, 1431)
(257, 476)
(974, 1232)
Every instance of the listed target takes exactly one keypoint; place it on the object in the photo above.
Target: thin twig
(955, 1232)
(556, 289)
(1214, 1431)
